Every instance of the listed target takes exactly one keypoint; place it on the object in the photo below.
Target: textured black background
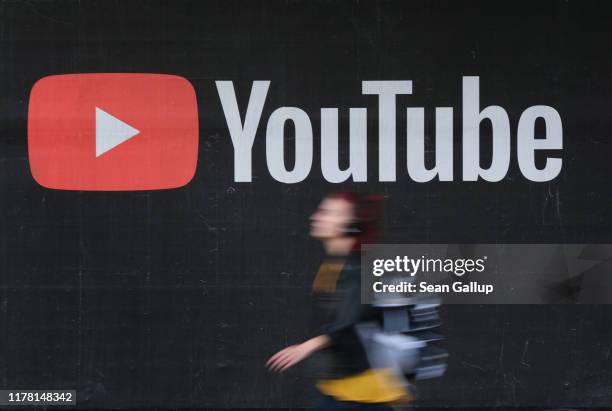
(176, 298)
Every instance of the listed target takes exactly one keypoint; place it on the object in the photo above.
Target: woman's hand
(287, 357)
(293, 354)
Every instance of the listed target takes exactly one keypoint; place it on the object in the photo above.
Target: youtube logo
(112, 131)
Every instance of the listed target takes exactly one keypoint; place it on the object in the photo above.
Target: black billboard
(168, 282)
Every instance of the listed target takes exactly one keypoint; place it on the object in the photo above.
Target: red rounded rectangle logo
(112, 131)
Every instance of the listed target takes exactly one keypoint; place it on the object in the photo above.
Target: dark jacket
(346, 355)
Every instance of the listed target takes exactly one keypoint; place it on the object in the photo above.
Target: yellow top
(327, 276)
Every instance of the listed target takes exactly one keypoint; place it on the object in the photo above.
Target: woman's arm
(293, 354)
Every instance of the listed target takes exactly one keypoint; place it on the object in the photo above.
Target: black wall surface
(176, 298)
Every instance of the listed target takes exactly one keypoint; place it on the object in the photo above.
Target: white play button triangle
(110, 132)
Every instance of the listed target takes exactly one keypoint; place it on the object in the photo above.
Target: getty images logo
(118, 131)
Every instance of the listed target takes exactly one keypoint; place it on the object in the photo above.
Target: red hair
(366, 214)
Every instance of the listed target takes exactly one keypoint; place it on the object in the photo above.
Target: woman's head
(346, 214)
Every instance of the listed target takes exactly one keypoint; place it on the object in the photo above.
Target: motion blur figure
(342, 223)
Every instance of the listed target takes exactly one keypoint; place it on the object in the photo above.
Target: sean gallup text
(472, 287)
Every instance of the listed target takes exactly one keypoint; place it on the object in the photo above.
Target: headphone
(366, 212)
(353, 228)
(356, 226)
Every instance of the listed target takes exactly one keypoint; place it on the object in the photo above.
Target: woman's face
(331, 218)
